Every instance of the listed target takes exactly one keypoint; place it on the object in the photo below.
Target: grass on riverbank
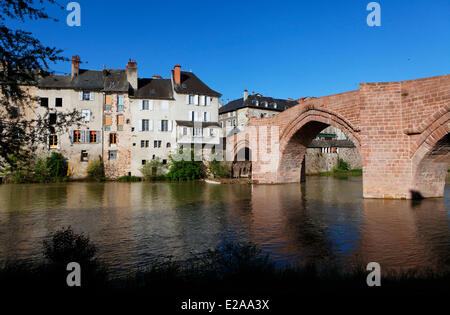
(339, 173)
(238, 268)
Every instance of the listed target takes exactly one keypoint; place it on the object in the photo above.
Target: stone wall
(318, 162)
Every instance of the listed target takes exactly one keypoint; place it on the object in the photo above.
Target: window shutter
(142, 104)
(99, 136)
(159, 125)
(208, 116)
(150, 105)
(196, 99)
(80, 95)
(202, 100)
(208, 100)
(71, 136)
(82, 137)
(188, 131)
(190, 115)
(140, 125)
(150, 123)
(187, 99)
(170, 125)
(91, 96)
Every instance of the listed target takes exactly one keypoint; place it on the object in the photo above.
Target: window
(157, 144)
(76, 136)
(120, 121)
(168, 145)
(211, 132)
(112, 155)
(221, 124)
(52, 119)
(86, 114)
(86, 96)
(184, 131)
(198, 132)
(113, 138)
(191, 99)
(108, 102)
(205, 116)
(58, 102)
(120, 102)
(145, 105)
(164, 161)
(164, 125)
(145, 125)
(84, 156)
(53, 141)
(107, 119)
(144, 162)
(93, 136)
(275, 105)
(144, 143)
(44, 101)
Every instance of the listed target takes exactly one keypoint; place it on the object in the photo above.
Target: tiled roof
(191, 84)
(154, 89)
(258, 101)
(331, 143)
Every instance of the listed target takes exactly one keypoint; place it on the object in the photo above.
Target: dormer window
(275, 105)
(266, 104)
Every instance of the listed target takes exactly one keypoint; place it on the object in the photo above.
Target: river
(134, 224)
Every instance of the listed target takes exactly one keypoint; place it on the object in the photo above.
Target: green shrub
(218, 169)
(56, 166)
(153, 169)
(96, 170)
(41, 171)
(342, 165)
(181, 169)
(127, 179)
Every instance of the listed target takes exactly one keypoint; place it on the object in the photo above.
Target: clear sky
(277, 48)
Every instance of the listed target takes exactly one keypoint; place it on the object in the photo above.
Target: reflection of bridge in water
(401, 130)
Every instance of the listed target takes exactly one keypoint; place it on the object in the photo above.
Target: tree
(23, 61)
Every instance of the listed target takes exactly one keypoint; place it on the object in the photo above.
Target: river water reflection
(135, 223)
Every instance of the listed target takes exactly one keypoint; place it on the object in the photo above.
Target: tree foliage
(23, 61)
(182, 169)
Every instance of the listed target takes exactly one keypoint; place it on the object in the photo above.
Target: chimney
(177, 74)
(245, 95)
(75, 65)
(228, 100)
(132, 75)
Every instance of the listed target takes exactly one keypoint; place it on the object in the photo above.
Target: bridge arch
(298, 135)
(431, 159)
(242, 161)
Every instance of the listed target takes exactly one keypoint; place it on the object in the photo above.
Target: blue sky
(277, 48)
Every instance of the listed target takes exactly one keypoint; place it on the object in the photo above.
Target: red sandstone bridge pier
(401, 130)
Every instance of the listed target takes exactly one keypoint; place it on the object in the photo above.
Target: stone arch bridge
(401, 130)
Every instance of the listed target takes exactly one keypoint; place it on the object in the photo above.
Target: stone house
(235, 116)
(127, 120)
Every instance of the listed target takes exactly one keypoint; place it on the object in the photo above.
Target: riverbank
(237, 268)
(340, 173)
